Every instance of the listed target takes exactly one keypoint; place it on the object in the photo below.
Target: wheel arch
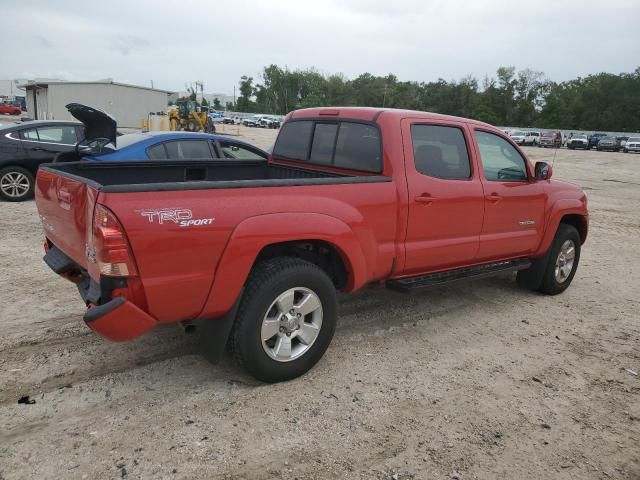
(577, 221)
(569, 211)
(321, 239)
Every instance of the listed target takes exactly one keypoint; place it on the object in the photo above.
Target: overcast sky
(217, 41)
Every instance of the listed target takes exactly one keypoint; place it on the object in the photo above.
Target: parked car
(525, 138)
(269, 122)
(9, 109)
(632, 145)
(608, 144)
(622, 141)
(595, 138)
(253, 255)
(518, 136)
(106, 146)
(25, 146)
(532, 138)
(251, 121)
(551, 139)
(578, 141)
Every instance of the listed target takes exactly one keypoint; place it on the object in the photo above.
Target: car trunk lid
(97, 123)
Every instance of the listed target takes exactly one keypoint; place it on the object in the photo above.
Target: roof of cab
(372, 114)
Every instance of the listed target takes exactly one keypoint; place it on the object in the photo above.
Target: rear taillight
(110, 245)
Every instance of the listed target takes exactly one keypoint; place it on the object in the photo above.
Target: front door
(514, 201)
(445, 196)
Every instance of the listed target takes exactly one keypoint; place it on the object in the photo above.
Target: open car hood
(97, 123)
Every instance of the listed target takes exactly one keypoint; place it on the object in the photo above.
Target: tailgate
(65, 205)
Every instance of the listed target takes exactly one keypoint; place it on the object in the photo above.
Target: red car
(10, 109)
(254, 251)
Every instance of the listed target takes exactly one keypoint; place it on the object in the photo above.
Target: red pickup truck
(253, 252)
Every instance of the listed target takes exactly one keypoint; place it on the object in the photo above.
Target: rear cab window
(340, 144)
(440, 151)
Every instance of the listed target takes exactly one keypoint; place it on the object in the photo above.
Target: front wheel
(563, 260)
(16, 184)
(286, 319)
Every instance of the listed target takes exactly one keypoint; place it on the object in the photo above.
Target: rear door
(445, 196)
(513, 204)
(42, 144)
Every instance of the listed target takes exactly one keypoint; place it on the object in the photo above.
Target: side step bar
(412, 284)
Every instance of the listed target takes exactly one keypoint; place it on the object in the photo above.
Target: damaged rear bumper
(118, 320)
(113, 317)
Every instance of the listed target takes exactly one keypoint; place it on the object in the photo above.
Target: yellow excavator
(185, 115)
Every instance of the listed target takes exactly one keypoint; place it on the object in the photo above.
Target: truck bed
(162, 175)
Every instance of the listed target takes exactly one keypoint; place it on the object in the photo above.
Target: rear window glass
(350, 145)
(293, 141)
(324, 138)
(188, 150)
(440, 152)
(157, 152)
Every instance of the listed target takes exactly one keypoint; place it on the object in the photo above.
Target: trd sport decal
(183, 217)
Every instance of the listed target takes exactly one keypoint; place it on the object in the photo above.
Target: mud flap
(531, 278)
(214, 333)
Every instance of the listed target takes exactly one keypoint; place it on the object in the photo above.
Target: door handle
(425, 199)
(494, 197)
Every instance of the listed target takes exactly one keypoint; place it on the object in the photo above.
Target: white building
(128, 104)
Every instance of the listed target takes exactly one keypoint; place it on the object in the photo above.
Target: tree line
(525, 98)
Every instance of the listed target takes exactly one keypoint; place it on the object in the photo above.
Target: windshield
(608, 139)
(518, 133)
(580, 137)
(634, 139)
(548, 134)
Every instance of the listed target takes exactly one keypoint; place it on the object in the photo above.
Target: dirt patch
(477, 380)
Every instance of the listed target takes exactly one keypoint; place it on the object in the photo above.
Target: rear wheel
(16, 184)
(286, 319)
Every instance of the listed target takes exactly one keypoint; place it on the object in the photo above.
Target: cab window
(440, 152)
(501, 162)
(350, 145)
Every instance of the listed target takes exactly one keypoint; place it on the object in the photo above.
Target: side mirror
(543, 171)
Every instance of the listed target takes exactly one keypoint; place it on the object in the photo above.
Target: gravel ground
(476, 380)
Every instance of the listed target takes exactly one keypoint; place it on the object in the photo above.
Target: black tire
(26, 180)
(192, 126)
(267, 281)
(550, 285)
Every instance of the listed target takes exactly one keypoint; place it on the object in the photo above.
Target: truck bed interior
(189, 175)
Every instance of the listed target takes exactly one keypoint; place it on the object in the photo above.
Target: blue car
(103, 143)
(176, 146)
